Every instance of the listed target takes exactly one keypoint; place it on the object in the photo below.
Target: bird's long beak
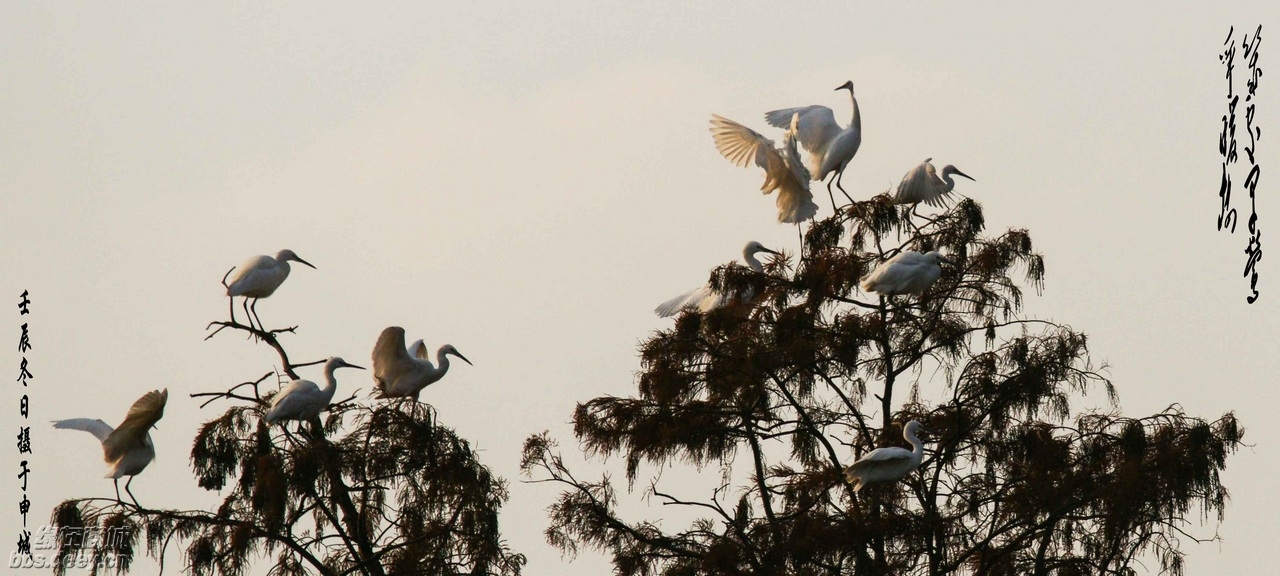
(959, 173)
(314, 268)
(848, 85)
(763, 249)
(464, 358)
(353, 366)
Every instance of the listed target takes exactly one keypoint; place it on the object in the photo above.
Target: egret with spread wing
(704, 298)
(258, 278)
(922, 184)
(830, 147)
(302, 399)
(783, 170)
(127, 449)
(887, 464)
(401, 373)
(906, 273)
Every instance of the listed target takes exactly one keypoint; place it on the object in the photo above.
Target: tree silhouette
(815, 373)
(377, 488)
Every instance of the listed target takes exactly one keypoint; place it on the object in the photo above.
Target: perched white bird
(703, 298)
(922, 184)
(258, 278)
(906, 273)
(127, 449)
(830, 147)
(783, 170)
(302, 399)
(405, 372)
(887, 464)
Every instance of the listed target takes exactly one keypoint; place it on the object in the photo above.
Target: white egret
(704, 298)
(399, 372)
(906, 273)
(302, 399)
(258, 278)
(830, 147)
(922, 184)
(887, 464)
(783, 170)
(127, 449)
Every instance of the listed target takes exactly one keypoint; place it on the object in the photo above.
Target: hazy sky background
(527, 183)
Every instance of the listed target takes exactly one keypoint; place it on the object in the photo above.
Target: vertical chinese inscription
(24, 427)
(1227, 147)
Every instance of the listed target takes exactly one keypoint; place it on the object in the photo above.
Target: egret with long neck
(922, 184)
(830, 147)
(302, 400)
(258, 278)
(400, 371)
(887, 464)
(704, 298)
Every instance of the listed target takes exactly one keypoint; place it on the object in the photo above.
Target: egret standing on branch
(887, 464)
(127, 449)
(906, 273)
(401, 373)
(783, 170)
(830, 147)
(704, 298)
(302, 399)
(258, 278)
(922, 184)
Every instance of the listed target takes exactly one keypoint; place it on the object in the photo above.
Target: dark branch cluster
(782, 391)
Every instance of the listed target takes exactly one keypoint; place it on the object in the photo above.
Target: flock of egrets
(398, 372)
(403, 371)
(831, 148)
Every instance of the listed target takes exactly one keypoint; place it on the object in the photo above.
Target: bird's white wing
(921, 184)
(877, 460)
(702, 298)
(391, 360)
(252, 273)
(100, 430)
(419, 350)
(144, 414)
(891, 274)
(816, 129)
(292, 399)
(742, 145)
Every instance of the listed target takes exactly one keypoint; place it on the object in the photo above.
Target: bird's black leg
(831, 194)
(246, 312)
(130, 493)
(116, 481)
(231, 306)
(254, 308)
(839, 179)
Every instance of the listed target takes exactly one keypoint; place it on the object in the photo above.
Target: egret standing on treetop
(906, 273)
(887, 464)
(783, 170)
(704, 298)
(302, 399)
(830, 147)
(127, 449)
(399, 373)
(258, 278)
(922, 184)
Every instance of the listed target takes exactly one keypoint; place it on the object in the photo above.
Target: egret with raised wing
(302, 399)
(258, 278)
(704, 298)
(887, 464)
(922, 184)
(127, 449)
(906, 273)
(830, 147)
(405, 372)
(783, 170)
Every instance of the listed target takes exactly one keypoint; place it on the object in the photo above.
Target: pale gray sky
(527, 183)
